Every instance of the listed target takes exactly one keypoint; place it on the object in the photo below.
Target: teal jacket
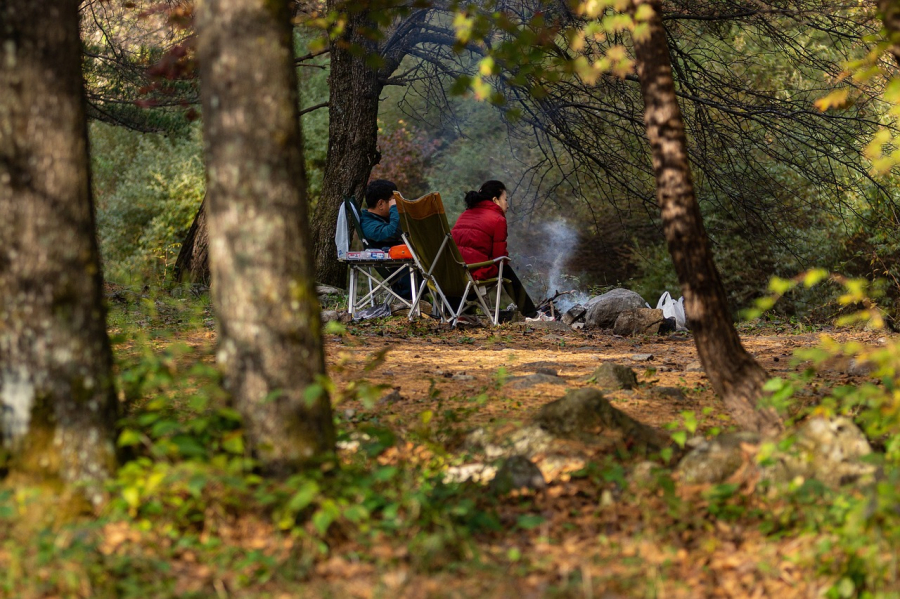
(381, 232)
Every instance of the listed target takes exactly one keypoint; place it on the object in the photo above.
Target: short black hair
(379, 189)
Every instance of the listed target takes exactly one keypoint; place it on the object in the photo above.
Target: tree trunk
(270, 342)
(193, 259)
(352, 135)
(735, 375)
(890, 16)
(58, 404)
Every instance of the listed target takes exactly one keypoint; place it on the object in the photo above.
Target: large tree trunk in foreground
(58, 406)
(270, 342)
(193, 258)
(735, 375)
(352, 134)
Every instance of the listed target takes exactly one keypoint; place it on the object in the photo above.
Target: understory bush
(147, 189)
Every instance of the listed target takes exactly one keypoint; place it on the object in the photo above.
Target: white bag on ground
(673, 309)
(342, 233)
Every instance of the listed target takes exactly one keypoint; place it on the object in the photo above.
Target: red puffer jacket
(480, 234)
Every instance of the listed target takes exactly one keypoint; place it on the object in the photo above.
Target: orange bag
(400, 252)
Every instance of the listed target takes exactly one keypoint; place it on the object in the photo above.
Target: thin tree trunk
(58, 404)
(270, 343)
(193, 258)
(890, 16)
(735, 375)
(352, 135)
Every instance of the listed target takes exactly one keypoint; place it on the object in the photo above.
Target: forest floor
(406, 399)
(588, 545)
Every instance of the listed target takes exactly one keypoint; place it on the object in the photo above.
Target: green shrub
(147, 189)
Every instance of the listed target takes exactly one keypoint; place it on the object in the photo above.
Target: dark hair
(379, 189)
(489, 190)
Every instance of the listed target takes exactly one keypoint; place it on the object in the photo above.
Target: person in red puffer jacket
(480, 233)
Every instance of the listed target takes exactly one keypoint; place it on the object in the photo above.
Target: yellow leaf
(835, 99)
(486, 67)
(643, 13)
(814, 276)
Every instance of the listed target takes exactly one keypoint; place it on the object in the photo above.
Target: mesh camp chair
(440, 264)
(388, 271)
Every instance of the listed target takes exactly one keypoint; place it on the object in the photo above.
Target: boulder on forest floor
(828, 450)
(517, 472)
(639, 321)
(603, 310)
(586, 415)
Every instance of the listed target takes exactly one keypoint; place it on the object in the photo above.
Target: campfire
(562, 305)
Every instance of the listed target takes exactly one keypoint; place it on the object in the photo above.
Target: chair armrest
(488, 263)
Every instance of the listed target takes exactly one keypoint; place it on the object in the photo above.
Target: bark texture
(270, 343)
(57, 405)
(354, 88)
(734, 374)
(193, 258)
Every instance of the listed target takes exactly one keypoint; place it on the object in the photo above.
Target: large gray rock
(517, 472)
(715, 460)
(602, 310)
(639, 321)
(586, 415)
(828, 450)
(613, 376)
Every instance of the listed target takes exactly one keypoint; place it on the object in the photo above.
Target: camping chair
(443, 270)
(368, 267)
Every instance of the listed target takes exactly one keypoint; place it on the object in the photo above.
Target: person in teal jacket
(380, 221)
(380, 224)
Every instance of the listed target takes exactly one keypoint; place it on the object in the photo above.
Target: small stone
(694, 366)
(606, 498)
(462, 377)
(670, 393)
(642, 357)
(613, 376)
(349, 413)
(644, 473)
(577, 326)
(525, 382)
(391, 397)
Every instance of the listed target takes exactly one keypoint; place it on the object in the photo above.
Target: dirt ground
(590, 545)
(420, 361)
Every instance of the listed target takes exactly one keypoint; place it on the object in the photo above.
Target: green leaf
(304, 496)
(188, 446)
(129, 437)
(234, 443)
(529, 521)
(680, 437)
(324, 516)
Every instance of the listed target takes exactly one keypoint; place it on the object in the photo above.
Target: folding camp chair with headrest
(443, 270)
(389, 271)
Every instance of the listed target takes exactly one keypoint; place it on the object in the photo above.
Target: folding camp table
(369, 267)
